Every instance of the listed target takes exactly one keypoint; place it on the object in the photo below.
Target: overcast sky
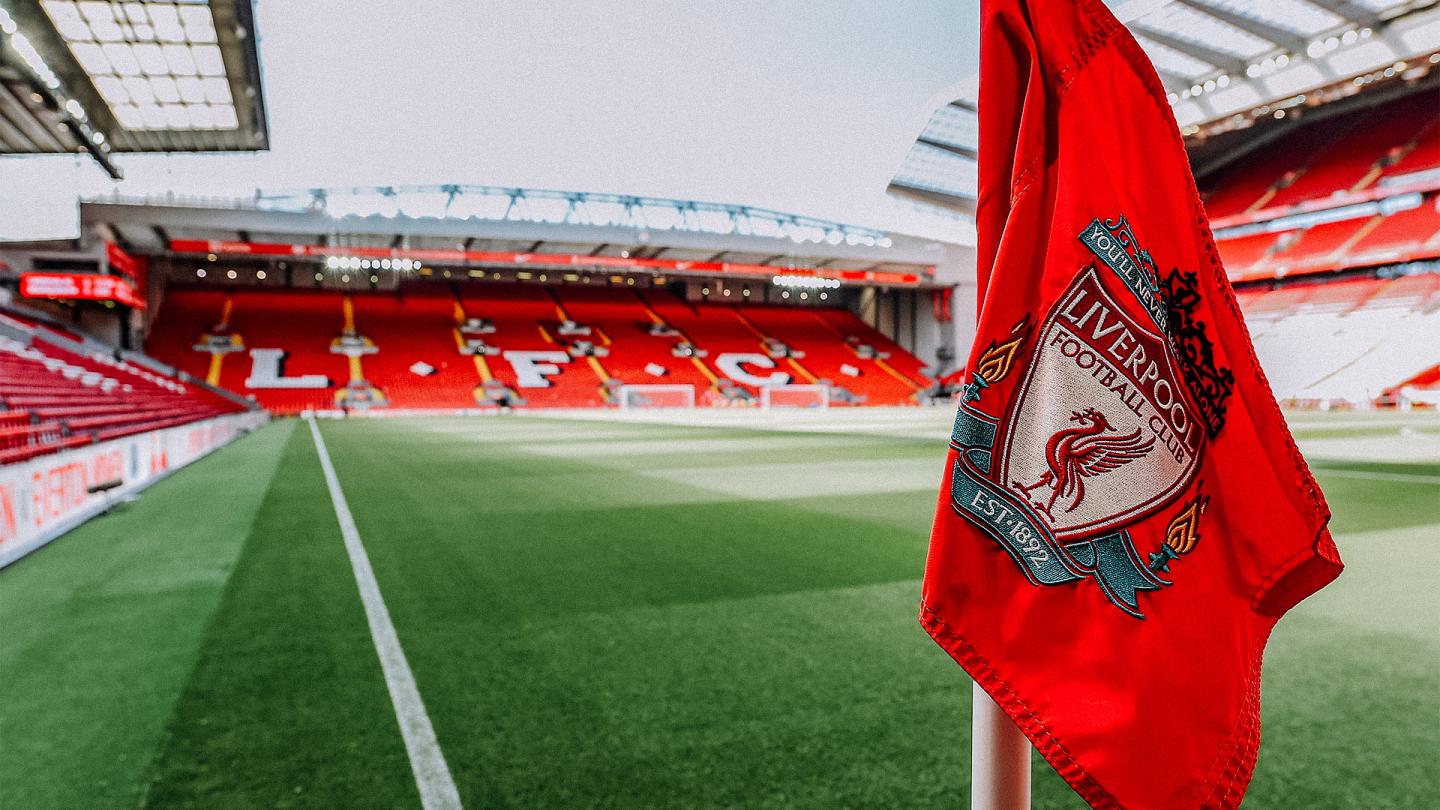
(805, 107)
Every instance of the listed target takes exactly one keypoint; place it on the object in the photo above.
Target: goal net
(795, 396)
(634, 397)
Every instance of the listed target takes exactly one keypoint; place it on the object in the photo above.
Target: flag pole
(999, 758)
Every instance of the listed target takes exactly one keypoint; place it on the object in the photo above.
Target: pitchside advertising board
(42, 498)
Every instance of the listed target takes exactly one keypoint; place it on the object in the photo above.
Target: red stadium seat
(68, 395)
(416, 327)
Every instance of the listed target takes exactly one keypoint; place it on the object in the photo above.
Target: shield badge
(1100, 432)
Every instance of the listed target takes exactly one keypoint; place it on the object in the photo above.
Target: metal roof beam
(11, 134)
(1288, 40)
(954, 149)
(1220, 59)
(1174, 82)
(1350, 11)
(113, 233)
(236, 35)
(31, 125)
(953, 202)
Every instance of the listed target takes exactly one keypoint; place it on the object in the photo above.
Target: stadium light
(26, 49)
(359, 263)
(805, 282)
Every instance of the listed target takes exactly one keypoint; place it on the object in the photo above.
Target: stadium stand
(638, 351)
(1351, 153)
(1401, 236)
(1352, 341)
(889, 356)
(418, 362)
(838, 362)
(1315, 229)
(58, 390)
(410, 346)
(526, 318)
(1363, 241)
(1369, 180)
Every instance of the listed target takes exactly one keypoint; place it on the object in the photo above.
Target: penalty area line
(432, 775)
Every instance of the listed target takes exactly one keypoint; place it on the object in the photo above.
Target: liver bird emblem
(1084, 451)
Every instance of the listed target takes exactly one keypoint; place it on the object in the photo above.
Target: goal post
(794, 396)
(637, 397)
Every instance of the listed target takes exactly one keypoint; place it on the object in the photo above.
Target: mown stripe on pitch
(1403, 478)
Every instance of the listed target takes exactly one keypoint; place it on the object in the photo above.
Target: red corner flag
(1124, 515)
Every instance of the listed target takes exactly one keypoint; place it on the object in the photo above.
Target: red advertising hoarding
(86, 286)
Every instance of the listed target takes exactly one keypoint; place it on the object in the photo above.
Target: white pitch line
(432, 775)
(1404, 478)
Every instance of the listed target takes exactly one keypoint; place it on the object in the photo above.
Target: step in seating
(467, 345)
(67, 392)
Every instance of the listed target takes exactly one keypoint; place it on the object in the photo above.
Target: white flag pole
(999, 758)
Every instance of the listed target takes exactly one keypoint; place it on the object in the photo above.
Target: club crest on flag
(1100, 430)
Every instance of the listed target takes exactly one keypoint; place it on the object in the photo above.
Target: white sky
(804, 107)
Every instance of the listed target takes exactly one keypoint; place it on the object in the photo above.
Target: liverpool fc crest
(1100, 431)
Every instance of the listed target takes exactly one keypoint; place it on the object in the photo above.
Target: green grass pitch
(627, 614)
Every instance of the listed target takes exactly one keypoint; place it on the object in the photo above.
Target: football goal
(635, 397)
(794, 396)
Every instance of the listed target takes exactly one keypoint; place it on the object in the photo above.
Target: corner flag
(1124, 515)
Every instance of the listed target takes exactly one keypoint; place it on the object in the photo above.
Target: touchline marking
(1404, 478)
(432, 775)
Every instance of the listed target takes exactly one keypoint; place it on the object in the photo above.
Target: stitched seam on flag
(1086, 50)
(1222, 785)
(1322, 548)
(1241, 748)
(1055, 753)
(1088, 47)
(1022, 185)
